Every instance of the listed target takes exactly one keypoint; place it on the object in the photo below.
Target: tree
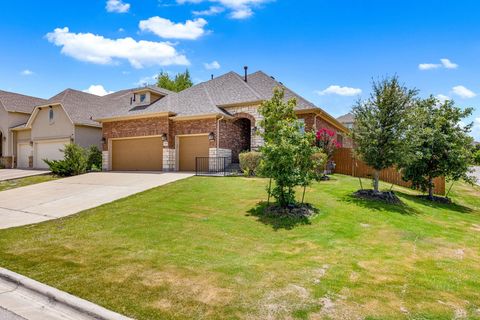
(327, 143)
(437, 144)
(380, 123)
(181, 81)
(476, 158)
(287, 152)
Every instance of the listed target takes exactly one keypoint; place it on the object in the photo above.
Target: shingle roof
(346, 118)
(208, 97)
(14, 102)
(80, 106)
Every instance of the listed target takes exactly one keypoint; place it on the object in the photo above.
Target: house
(15, 109)
(62, 119)
(347, 120)
(154, 129)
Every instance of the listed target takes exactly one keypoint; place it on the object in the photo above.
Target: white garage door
(24, 151)
(49, 150)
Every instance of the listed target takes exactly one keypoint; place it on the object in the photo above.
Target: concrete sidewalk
(63, 197)
(11, 174)
(22, 298)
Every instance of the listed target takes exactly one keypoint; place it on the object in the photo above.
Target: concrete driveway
(10, 174)
(60, 198)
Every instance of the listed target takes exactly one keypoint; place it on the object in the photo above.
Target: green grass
(197, 249)
(22, 182)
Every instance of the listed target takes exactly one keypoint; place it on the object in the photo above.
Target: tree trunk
(430, 188)
(376, 177)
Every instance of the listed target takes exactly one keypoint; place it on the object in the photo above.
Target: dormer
(145, 96)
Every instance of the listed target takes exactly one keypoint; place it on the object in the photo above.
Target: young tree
(379, 125)
(437, 144)
(287, 152)
(181, 81)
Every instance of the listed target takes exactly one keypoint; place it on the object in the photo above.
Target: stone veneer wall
(6, 162)
(169, 159)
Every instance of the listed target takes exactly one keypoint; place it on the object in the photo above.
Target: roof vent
(272, 77)
(212, 76)
(246, 73)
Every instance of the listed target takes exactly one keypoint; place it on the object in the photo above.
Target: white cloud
(209, 12)
(463, 92)
(146, 81)
(97, 49)
(444, 63)
(341, 91)
(241, 9)
(27, 72)
(190, 30)
(429, 66)
(442, 98)
(447, 64)
(117, 6)
(98, 90)
(214, 65)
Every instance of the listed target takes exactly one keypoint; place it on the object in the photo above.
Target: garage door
(49, 150)
(142, 154)
(24, 151)
(191, 147)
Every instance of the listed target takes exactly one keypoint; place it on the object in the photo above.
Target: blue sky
(327, 51)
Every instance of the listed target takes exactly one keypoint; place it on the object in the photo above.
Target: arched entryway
(241, 137)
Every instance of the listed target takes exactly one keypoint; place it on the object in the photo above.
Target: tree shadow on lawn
(403, 208)
(277, 222)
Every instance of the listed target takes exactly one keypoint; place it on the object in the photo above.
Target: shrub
(73, 163)
(319, 161)
(249, 162)
(94, 158)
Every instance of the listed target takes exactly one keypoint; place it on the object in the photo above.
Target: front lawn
(197, 249)
(22, 182)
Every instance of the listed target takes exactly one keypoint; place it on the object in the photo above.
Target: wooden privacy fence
(347, 164)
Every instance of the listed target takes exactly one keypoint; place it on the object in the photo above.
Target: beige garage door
(50, 150)
(142, 154)
(24, 151)
(191, 147)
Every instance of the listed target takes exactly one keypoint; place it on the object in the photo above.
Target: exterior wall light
(104, 140)
(31, 143)
(254, 130)
(164, 137)
(211, 136)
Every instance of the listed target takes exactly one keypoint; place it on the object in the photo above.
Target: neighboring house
(347, 120)
(15, 109)
(63, 119)
(154, 129)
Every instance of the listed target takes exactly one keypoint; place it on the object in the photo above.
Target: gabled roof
(81, 107)
(14, 102)
(346, 118)
(208, 97)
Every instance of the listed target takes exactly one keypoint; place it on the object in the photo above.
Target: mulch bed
(293, 211)
(385, 196)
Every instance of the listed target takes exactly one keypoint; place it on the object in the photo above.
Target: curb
(80, 305)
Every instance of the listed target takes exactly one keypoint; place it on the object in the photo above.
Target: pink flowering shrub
(326, 142)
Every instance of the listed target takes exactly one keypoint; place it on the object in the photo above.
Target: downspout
(11, 146)
(315, 122)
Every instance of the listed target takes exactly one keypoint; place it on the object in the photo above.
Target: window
(143, 97)
(340, 139)
(302, 125)
(50, 116)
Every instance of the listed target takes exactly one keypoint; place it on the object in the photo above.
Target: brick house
(155, 129)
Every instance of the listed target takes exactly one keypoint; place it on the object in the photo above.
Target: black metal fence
(214, 166)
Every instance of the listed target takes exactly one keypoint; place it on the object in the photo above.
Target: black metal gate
(213, 166)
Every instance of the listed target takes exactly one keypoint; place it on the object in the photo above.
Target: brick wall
(192, 127)
(309, 119)
(235, 135)
(135, 128)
